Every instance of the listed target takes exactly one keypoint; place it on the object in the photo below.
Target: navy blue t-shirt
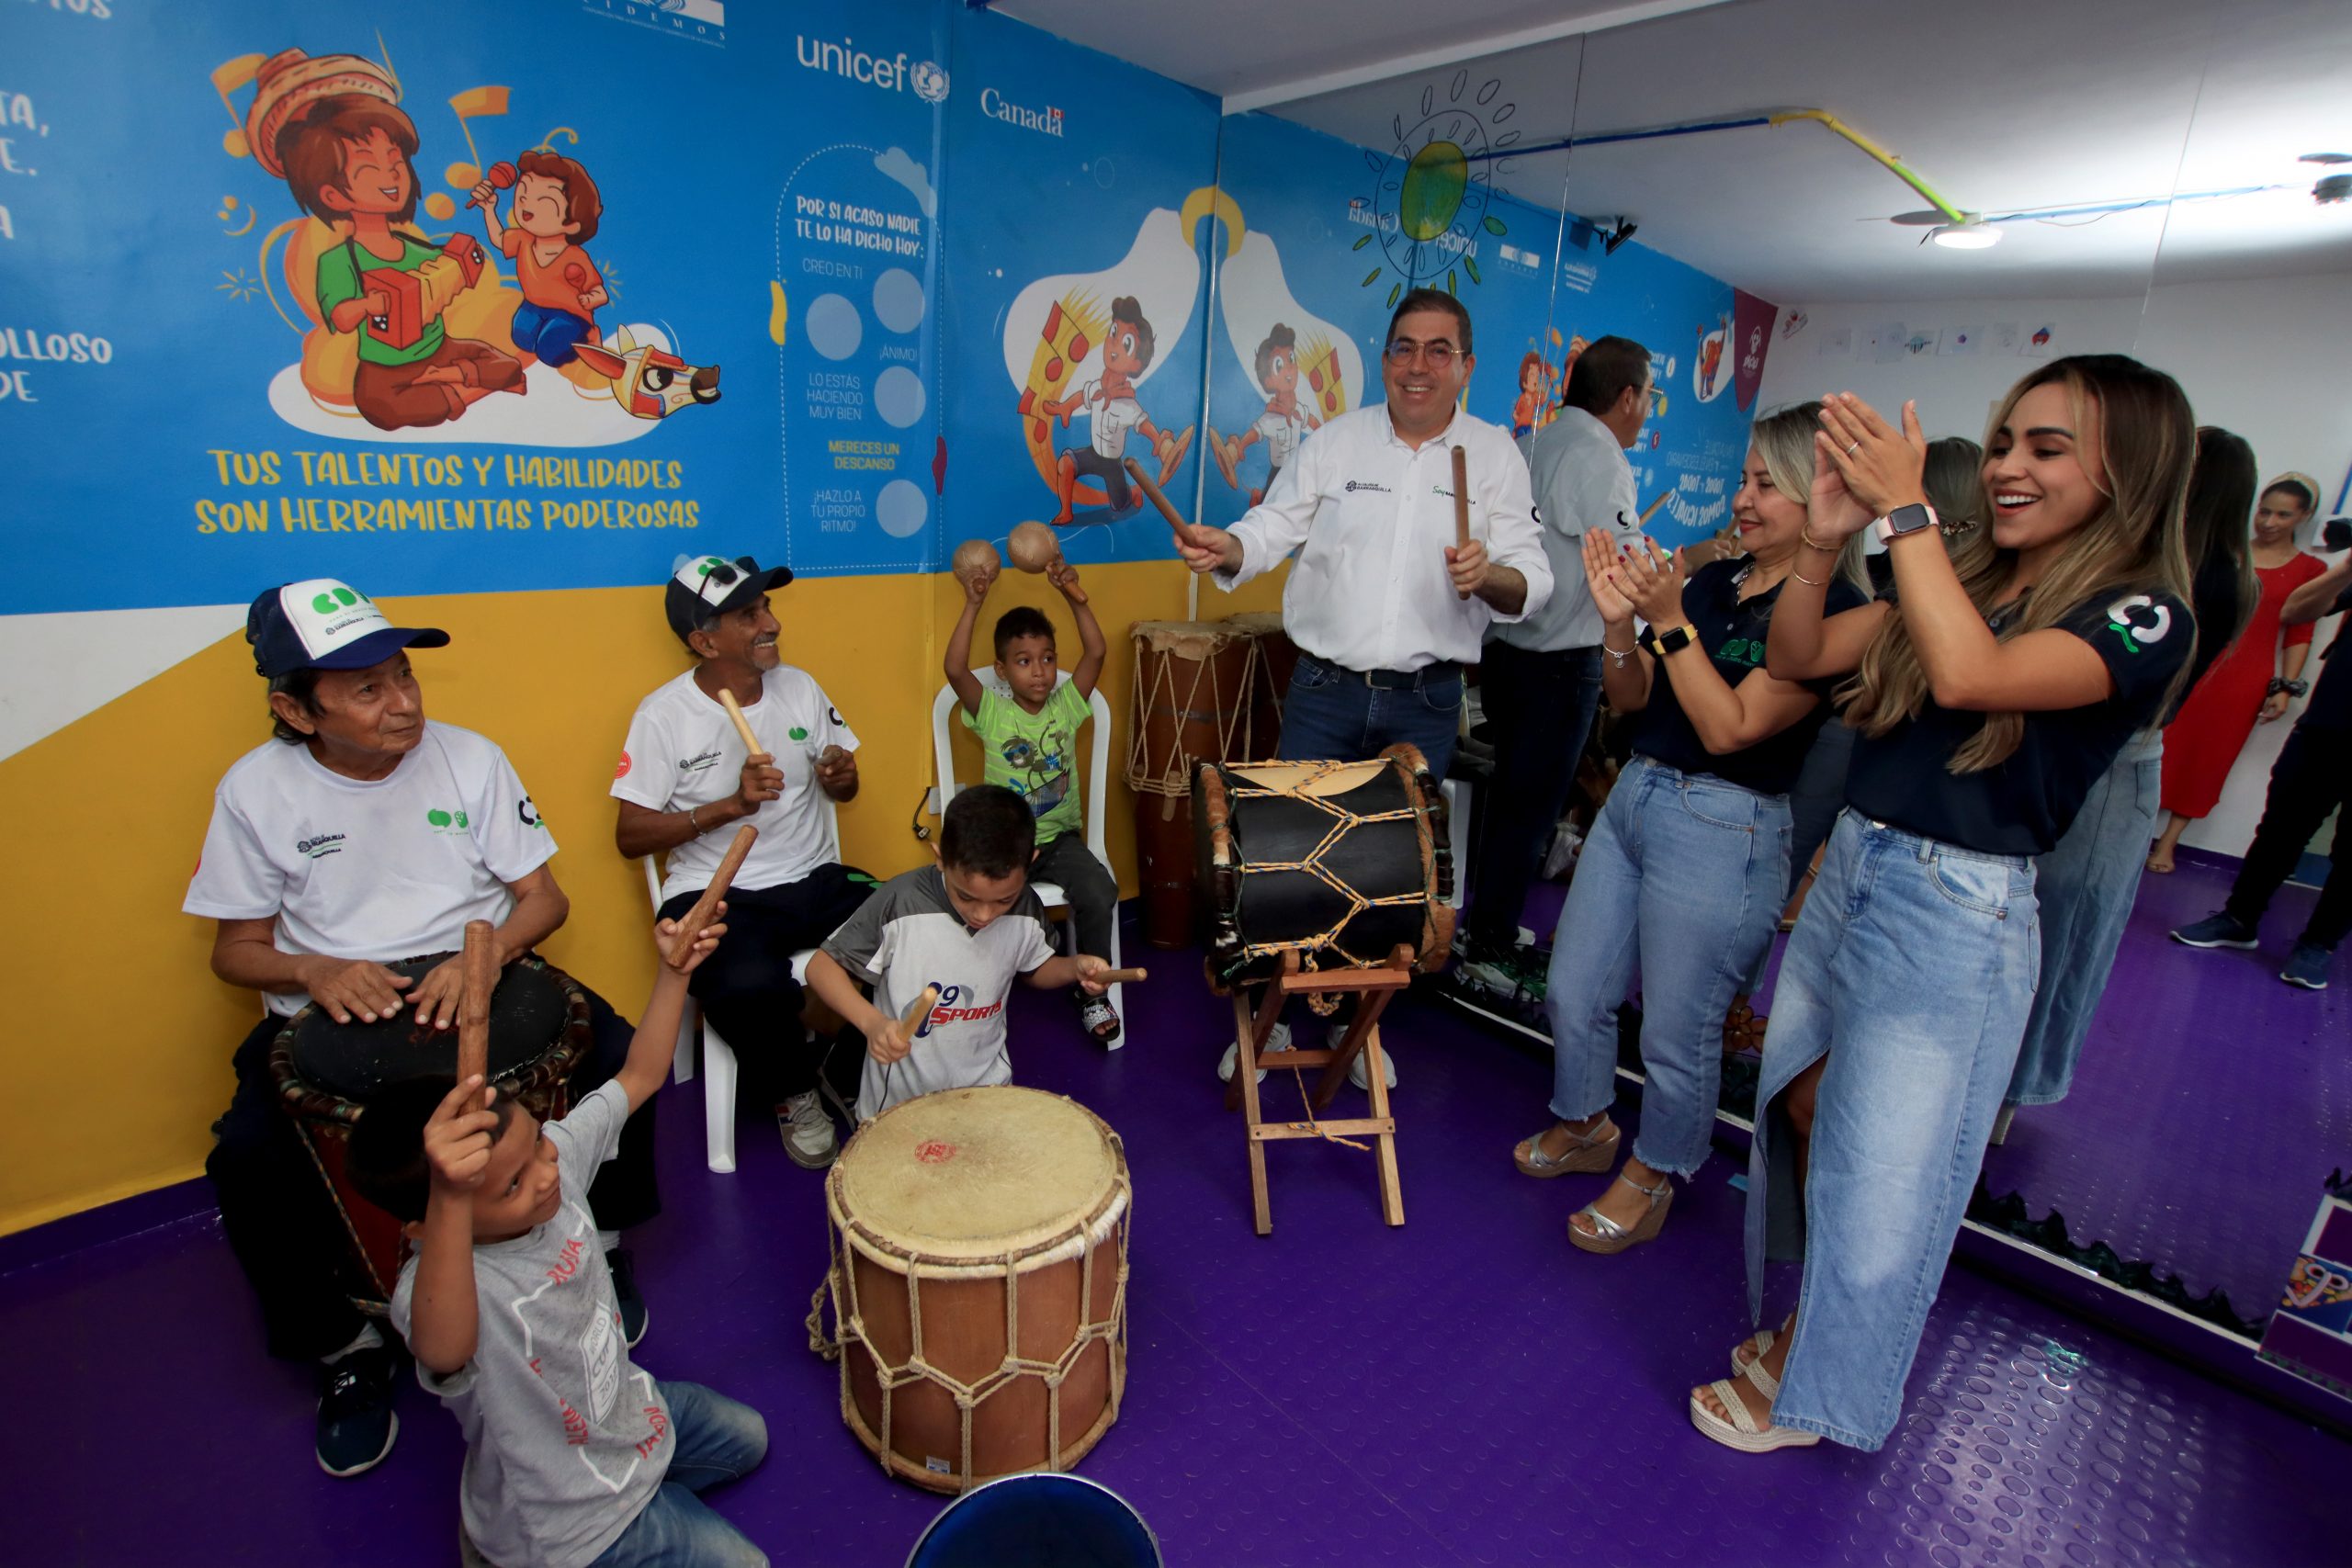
(2024, 805)
(2331, 704)
(1732, 633)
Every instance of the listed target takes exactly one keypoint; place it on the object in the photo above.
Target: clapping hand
(1601, 557)
(1652, 581)
(1880, 466)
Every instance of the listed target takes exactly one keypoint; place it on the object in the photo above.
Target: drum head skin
(528, 1013)
(971, 1175)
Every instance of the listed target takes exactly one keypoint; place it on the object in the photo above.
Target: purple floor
(1467, 1388)
(2212, 1101)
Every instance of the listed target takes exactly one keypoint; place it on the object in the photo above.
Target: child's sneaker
(808, 1135)
(356, 1426)
(1100, 1018)
(2307, 967)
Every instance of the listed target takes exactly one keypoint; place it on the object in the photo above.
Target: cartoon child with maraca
(554, 212)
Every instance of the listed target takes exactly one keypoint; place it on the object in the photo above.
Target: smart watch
(1673, 639)
(1915, 518)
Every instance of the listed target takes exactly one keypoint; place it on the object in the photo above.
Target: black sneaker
(623, 1269)
(357, 1426)
(2222, 929)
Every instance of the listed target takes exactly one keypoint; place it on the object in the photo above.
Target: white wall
(2269, 358)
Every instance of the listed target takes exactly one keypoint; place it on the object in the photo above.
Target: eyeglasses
(1404, 350)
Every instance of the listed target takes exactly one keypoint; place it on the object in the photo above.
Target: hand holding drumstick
(888, 1039)
(1202, 548)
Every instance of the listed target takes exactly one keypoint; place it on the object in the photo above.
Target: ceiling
(1999, 105)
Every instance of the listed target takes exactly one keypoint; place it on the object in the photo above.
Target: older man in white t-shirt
(685, 781)
(363, 835)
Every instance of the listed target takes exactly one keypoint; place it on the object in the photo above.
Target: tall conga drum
(326, 1072)
(1270, 669)
(1340, 862)
(978, 1280)
(1191, 704)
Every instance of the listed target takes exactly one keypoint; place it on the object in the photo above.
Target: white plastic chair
(717, 1056)
(1097, 789)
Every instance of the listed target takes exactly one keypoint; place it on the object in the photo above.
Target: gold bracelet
(1808, 582)
(1806, 534)
(694, 821)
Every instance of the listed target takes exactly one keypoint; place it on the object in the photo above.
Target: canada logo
(621, 771)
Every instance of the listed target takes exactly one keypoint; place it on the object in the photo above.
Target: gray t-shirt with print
(566, 1440)
(907, 936)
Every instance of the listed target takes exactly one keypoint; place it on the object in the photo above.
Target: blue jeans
(719, 1440)
(2086, 887)
(549, 333)
(1912, 971)
(1540, 707)
(1683, 871)
(1331, 714)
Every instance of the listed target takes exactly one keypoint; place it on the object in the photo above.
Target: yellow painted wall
(120, 1037)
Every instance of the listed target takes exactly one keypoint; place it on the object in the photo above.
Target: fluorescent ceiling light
(1973, 236)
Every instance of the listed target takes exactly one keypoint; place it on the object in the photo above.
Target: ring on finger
(1852, 447)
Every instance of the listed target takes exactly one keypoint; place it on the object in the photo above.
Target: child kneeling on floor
(1028, 734)
(574, 1456)
(967, 926)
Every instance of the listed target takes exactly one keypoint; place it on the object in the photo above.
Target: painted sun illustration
(1432, 188)
(239, 284)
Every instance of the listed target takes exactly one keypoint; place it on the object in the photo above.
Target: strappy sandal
(1607, 1235)
(1761, 1342)
(1586, 1151)
(1741, 1431)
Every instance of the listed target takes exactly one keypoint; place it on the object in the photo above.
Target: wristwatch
(1915, 518)
(1673, 639)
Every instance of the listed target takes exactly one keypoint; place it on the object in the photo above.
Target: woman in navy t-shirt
(1990, 696)
(1688, 865)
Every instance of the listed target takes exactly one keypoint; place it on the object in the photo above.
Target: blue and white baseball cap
(716, 585)
(320, 624)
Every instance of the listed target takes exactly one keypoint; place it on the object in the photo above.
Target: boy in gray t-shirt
(967, 926)
(573, 1454)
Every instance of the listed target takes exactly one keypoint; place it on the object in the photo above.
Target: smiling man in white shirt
(1383, 607)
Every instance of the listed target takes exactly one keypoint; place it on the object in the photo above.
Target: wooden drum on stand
(1192, 686)
(978, 1280)
(1276, 657)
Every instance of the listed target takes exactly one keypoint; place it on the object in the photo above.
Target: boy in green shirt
(1028, 723)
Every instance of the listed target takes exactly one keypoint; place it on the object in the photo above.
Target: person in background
(2087, 884)
(2258, 678)
(1993, 689)
(1539, 678)
(2310, 779)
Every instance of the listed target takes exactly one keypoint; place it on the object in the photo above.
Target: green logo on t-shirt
(2140, 621)
(797, 733)
(446, 822)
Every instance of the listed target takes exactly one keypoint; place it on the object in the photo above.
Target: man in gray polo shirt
(1539, 678)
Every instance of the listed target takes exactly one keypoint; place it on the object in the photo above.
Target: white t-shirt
(908, 936)
(1113, 417)
(385, 869)
(682, 751)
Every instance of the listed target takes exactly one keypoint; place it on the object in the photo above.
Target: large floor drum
(978, 1277)
(1192, 702)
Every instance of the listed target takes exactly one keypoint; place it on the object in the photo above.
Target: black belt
(1396, 680)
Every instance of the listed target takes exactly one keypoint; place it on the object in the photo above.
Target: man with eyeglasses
(1540, 680)
(1383, 607)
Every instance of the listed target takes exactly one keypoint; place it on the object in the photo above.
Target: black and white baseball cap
(712, 585)
(320, 624)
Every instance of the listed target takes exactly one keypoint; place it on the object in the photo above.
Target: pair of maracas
(1032, 547)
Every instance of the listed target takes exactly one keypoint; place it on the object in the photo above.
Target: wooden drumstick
(1154, 494)
(1651, 511)
(752, 746)
(477, 969)
(918, 1012)
(1122, 976)
(1461, 508)
(706, 908)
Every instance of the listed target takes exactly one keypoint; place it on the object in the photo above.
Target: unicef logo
(931, 82)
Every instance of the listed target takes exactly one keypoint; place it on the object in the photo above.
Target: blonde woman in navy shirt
(1991, 695)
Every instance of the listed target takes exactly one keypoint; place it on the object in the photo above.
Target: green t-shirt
(339, 281)
(1034, 755)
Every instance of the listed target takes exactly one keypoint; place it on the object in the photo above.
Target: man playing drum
(362, 835)
(688, 777)
(1384, 605)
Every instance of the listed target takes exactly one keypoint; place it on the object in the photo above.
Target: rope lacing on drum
(1311, 948)
(1174, 774)
(850, 1325)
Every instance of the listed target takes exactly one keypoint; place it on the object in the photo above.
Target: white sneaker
(808, 1135)
(1279, 1039)
(1387, 1069)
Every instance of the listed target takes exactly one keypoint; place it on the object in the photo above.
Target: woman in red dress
(2254, 682)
